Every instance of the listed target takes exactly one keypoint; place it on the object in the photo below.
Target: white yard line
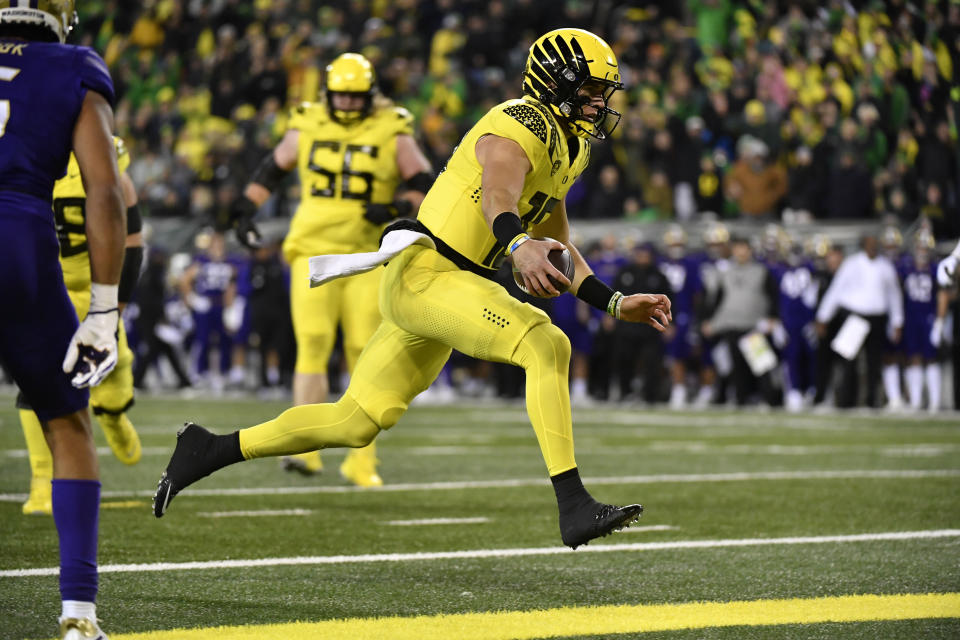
(494, 553)
(919, 450)
(536, 482)
(429, 521)
(254, 514)
(648, 528)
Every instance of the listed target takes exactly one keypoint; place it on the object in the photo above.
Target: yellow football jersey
(451, 209)
(69, 200)
(341, 169)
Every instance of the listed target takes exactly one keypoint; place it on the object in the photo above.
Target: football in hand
(561, 260)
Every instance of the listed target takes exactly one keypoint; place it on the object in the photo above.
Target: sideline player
(504, 186)
(352, 151)
(54, 97)
(110, 399)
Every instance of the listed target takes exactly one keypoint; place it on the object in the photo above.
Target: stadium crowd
(769, 110)
(779, 112)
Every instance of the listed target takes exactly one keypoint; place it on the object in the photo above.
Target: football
(559, 258)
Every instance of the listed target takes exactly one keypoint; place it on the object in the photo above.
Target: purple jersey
(919, 309)
(213, 278)
(683, 274)
(42, 87)
(798, 295)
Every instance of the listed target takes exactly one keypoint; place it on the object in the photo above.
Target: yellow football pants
(430, 306)
(350, 303)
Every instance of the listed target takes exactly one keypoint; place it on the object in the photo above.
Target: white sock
(933, 386)
(914, 376)
(891, 384)
(79, 609)
(273, 375)
(578, 389)
(678, 395)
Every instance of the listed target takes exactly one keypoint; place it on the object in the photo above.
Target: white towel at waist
(330, 267)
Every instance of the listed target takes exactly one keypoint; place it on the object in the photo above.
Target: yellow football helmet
(559, 65)
(353, 74)
(55, 16)
(891, 239)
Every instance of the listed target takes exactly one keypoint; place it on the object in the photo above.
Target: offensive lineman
(351, 152)
(65, 92)
(503, 186)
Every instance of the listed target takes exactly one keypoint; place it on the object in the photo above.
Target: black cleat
(186, 466)
(596, 520)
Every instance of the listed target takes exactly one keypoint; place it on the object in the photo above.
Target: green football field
(757, 525)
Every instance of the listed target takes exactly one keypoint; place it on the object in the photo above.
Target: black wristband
(506, 227)
(134, 220)
(130, 274)
(595, 293)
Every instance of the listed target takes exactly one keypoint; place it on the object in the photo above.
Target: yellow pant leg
(394, 367)
(360, 313)
(315, 313)
(360, 317)
(41, 465)
(425, 295)
(115, 393)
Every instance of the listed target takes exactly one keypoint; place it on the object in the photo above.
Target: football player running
(110, 399)
(352, 151)
(503, 187)
(54, 97)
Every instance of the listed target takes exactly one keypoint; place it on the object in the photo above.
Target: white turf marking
(428, 521)
(918, 450)
(493, 553)
(537, 482)
(262, 512)
(652, 527)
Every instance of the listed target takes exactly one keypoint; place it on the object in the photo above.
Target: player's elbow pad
(419, 182)
(269, 173)
(132, 261)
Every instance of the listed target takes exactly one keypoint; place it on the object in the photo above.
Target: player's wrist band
(103, 297)
(598, 295)
(516, 242)
(506, 227)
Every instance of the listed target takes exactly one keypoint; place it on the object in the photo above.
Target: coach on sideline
(866, 285)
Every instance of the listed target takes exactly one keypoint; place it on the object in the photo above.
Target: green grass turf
(493, 443)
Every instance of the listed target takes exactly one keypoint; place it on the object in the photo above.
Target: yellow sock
(41, 460)
(368, 452)
(544, 353)
(309, 427)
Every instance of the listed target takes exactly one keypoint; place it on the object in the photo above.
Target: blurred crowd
(750, 325)
(779, 110)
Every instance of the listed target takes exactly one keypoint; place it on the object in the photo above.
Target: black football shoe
(594, 520)
(198, 454)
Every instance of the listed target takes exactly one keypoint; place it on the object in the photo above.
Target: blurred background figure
(920, 338)
(866, 285)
